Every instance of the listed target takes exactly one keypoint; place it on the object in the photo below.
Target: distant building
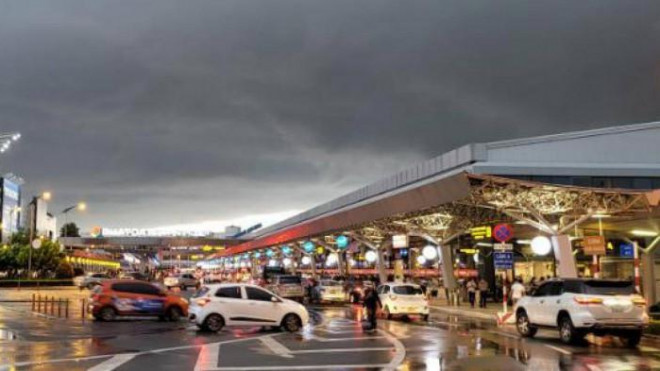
(45, 223)
(10, 201)
(232, 230)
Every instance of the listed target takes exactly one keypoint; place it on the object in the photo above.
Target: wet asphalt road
(333, 341)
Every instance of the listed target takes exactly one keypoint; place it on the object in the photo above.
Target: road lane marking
(329, 340)
(558, 349)
(208, 357)
(311, 367)
(114, 362)
(399, 353)
(341, 350)
(276, 347)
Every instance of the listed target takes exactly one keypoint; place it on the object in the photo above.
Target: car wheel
(291, 323)
(633, 339)
(524, 327)
(174, 314)
(386, 313)
(567, 333)
(107, 314)
(213, 323)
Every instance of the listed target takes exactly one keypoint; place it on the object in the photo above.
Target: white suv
(580, 306)
(216, 306)
(403, 299)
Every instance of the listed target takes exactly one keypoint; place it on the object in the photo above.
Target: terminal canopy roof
(451, 204)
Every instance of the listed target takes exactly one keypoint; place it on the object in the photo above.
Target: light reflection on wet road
(445, 343)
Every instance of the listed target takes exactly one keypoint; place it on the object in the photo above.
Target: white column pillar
(380, 264)
(447, 266)
(563, 251)
(648, 277)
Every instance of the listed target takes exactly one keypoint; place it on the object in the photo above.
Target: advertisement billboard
(10, 208)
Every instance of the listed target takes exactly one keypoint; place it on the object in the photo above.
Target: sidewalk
(489, 313)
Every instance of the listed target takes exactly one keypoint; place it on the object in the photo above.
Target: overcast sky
(179, 112)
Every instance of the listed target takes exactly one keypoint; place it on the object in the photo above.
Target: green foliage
(15, 255)
(70, 230)
(64, 270)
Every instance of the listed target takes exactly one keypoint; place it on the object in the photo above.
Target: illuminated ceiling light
(430, 252)
(342, 242)
(541, 245)
(272, 263)
(421, 260)
(308, 246)
(286, 262)
(370, 256)
(476, 258)
(352, 262)
(601, 216)
(306, 260)
(332, 259)
(643, 233)
(524, 242)
(484, 244)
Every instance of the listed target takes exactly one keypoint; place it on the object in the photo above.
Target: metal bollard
(82, 308)
(66, 308)
(59, 308)
(39, 303)
(52, 305)
(34, 296)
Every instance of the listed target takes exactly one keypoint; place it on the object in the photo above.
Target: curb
(466, 313)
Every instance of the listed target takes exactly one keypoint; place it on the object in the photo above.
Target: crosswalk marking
(114, 362)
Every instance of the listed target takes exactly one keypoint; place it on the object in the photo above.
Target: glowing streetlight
(541, 245)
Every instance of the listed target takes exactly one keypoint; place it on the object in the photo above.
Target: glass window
(556, 289)
(383, 289)
(625, 183)
(201, 292)
(605, 287)
(233, 292)
(254, 293)
(290, 280)
(145, 289)
(581, 181)
(543, 290)
(643, 183)
(330, 283)
(407, 290)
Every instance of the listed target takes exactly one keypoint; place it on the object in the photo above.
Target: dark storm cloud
(169, 111)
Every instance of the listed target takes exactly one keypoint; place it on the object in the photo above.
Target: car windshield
(602, 287)
(285, 280)
(330, 283)
(407, 290)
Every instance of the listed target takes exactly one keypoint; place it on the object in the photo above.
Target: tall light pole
(46, 196)
(80, 206)
(7, 139)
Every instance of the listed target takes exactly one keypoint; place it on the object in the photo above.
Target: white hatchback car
(329, 291)
(403, 299)
(236, 304)
(580, 306)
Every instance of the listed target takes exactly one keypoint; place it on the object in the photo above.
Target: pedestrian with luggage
(372, 303)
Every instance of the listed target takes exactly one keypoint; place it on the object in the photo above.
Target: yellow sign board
(594, 245)
(469, 251)
(481, 233)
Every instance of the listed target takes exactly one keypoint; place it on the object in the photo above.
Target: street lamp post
(80, 206)
(46, 196)
(7, 139)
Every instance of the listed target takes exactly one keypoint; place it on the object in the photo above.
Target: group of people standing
(472, 287)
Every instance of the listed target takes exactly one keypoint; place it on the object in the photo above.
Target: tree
(70, 230)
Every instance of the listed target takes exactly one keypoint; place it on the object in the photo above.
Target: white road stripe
(558, 349)
(276, 347)
(399, 354)
(344, 350)
(113, 362)
(208, 357)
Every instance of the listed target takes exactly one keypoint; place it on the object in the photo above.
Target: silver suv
(288, 286)
(577, 307)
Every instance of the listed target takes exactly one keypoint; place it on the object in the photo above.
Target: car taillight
(202, 302)
(581, 300)
(640, 302)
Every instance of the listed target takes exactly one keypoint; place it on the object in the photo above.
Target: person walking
(483, 293)
(472, 291)
(517, 291)
(372, 303)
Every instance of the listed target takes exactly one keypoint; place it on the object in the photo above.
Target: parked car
(403, 299)
(132, 276)
(577, 307)
(220, 305)
(90, 280)
(115, 298)
(288, 286)
(329, 291)
(182, 281)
